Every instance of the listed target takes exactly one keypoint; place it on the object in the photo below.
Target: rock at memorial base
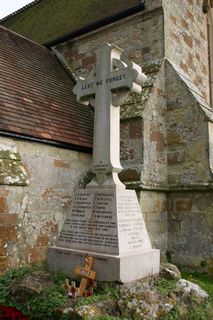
(83, 312)
(169, 271)
(109, 306)
(87, 312)
(31, 284)
(141, 300)
(188, 295)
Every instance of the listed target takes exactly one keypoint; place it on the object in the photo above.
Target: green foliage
(6, 282)
(168, 257)
(203, 280)
(41, 307)
(110, 289)
(101, 294)
(38, 307)
(199, 313)
(173, 315)
(203, 312)
(165, 286)
(58, 277)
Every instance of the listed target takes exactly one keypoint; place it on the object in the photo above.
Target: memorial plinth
(105, 220)
(108, 225)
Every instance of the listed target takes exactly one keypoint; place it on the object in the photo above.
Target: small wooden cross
(86, 273)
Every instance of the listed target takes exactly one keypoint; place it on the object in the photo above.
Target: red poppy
(11, 313)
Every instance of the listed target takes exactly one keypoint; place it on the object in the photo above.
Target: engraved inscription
(101, 82)
(91, 223)
(130, 222)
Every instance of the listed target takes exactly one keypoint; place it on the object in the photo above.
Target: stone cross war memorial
(105, 220)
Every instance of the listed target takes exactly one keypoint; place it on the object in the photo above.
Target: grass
(39, 307)
(42, 306)
(165, 286)
(7, 280)
(203, 280)
(203, 312)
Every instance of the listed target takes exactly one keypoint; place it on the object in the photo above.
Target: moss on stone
(7, 154)
(12, 171)
(135, 103)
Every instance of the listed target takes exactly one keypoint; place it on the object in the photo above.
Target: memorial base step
(122, 268)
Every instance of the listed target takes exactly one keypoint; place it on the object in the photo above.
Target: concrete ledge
(124, 268)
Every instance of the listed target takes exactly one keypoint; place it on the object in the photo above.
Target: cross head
(107, 87)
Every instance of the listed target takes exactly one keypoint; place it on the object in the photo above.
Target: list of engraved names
(91, 223)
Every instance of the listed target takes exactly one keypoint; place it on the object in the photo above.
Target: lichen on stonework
(12, 171)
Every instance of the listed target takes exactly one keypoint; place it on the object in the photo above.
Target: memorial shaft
(107, 121)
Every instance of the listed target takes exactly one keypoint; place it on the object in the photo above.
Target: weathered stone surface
(86, 312)
(36, 211)
(188, 295)
(190, 221)
(140, 300)
(12, 171)
(185, 50)
(83, 312)
(154, 207)
(30, 284)
(188, 133)
(169, 271)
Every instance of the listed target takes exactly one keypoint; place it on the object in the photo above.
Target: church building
(46, 136)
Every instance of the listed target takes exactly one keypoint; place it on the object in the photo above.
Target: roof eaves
(11, 15)
(97, 24)
(55, 143)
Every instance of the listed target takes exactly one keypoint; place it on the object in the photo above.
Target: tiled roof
(45, 20)
(36, 98)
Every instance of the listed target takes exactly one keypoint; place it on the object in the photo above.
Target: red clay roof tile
(36, 96)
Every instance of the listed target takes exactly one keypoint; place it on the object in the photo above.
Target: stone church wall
(187, 135)
(36, 197)
(130, 34)
(164, 134)
(190, 224)
(186, 40)
(190, 175)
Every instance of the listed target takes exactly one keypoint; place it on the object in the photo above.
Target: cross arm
(84, 89)
(130, 76)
